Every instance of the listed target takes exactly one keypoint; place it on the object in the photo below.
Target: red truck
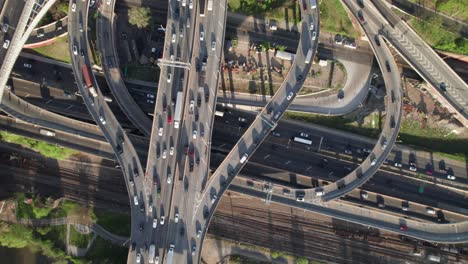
(87, 78)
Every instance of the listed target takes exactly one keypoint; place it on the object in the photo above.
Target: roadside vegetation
(432, 31)
(57, 51)
(143, 73)
(139, 17)
(437, 140)
(56, 12)
(105, 252)
(280, 10)
(38, 207)
(79, 240)
(457, 9)
(335, 19)
(46, 149)
(116, 223)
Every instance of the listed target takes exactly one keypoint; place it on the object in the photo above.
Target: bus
(219, 113)
(302, 141)
(178, 111)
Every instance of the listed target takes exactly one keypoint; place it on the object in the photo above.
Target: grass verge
(46, 149)
(57, 51)
(334, 18)
(432, 139)
(79, 240)
(116, 223)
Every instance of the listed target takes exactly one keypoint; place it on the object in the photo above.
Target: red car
(169, 119)
(304, 4)
(403, 227)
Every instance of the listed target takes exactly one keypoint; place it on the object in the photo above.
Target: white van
(244, 158)
(430, 210)
(319, 192)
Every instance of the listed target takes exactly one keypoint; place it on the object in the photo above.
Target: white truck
(170, 254)
(178, 110)
(152, 252)
(210, 5)
(47, 133)
(308, 56)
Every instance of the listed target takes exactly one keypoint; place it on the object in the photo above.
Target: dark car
(387, 64)
(135, 172)
(377, 39)
(361, 16)
(361, 3)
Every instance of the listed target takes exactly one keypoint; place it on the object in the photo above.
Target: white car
(398, 165)
(160, 133)
(150, 96)
(374, 161)
(199, 233)
(161, 221)
(451, 177)
(202, 36)
(6, 44)
(184, 2)
(194, 134)
(213, 46)
(412, 168)
(364, 195)
(384, 145)
(290, 95)
(108, 2)
(311, 27)
(149, 101)
(27, 65)
(73, 7)
(176, 218)
(169, 77)
(191, 4)
(171, 151)
(169, 180)
(164, 154)
(314, 35)
(103, 121)
(75, 50)
(173, 38)
(155, 223)
(191, 106)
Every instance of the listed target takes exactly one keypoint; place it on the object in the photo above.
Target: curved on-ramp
(110, 63)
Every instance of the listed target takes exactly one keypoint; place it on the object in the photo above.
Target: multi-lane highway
(113, 132)
(195, 118)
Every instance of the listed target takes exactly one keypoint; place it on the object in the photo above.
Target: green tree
(139, 16)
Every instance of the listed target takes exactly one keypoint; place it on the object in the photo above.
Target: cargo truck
(170, 254)
(88, 82)
(202, 8)
(210, 5)
(151, 254)
(178, 111)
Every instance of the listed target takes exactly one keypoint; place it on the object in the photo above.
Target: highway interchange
(206, 191)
